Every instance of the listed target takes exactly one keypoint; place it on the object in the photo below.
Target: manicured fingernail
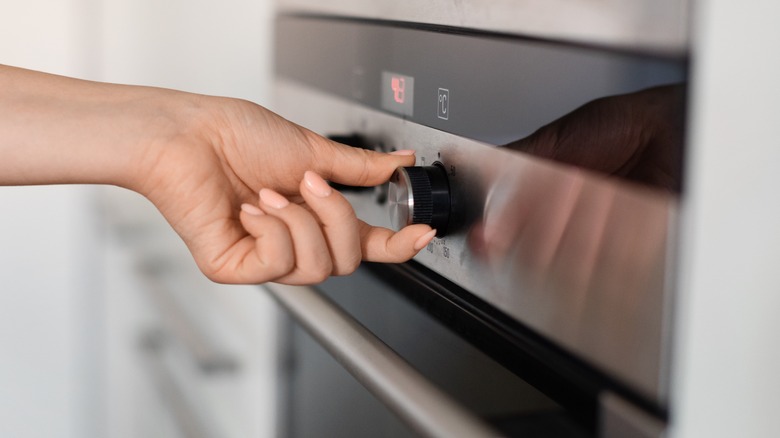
(316, 184)
(251, 209)
(273, 199)
(424, 240)
(403, 152)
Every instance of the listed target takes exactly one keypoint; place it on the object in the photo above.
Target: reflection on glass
(638, 136)
(581, 251)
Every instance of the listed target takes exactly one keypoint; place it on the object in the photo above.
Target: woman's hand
(245, 191)
(242, 187)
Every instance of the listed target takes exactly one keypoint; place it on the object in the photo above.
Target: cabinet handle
(187, 420)
(418, 403)
(208, 356)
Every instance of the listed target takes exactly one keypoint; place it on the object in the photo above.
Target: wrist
(58, 130)
(172, 126)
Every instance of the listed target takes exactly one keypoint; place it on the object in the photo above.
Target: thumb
(356, 166)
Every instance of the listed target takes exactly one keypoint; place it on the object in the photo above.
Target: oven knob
(420, 195)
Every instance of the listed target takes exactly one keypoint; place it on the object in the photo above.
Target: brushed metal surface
(425, 408)
(401, 199)
(657, 26)
(579, 257)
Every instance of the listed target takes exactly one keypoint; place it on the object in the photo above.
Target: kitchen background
(70, 280)
(69, 254)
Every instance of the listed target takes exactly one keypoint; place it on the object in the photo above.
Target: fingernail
(273, 199)
(424, 240)
(251, 209)
(403, 152)
(316, 184)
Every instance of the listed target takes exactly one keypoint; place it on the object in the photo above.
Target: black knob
(420, 195)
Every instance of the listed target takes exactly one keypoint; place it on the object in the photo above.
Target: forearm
(57, 130)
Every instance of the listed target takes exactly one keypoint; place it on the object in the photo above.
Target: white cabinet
(185, 357)
(71, 304)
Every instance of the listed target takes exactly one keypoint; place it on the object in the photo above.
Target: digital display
(398, 93)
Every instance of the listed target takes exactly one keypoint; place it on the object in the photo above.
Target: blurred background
(107, 329)
(77, 262)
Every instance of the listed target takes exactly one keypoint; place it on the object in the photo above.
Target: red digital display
(398, 93)
(398, 84)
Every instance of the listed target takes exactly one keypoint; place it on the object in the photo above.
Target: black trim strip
(564, 378)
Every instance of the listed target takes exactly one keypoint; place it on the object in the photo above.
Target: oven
(549, 159)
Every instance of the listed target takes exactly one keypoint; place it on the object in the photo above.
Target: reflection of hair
(637, 136)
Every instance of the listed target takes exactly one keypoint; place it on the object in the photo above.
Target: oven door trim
(419, 403)
(568, 380)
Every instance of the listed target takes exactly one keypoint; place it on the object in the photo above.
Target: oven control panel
(577, 256)
(550, 245)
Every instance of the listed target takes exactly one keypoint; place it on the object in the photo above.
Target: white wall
(725, 380)
(46, 312)
(220, 48)
(48, 36)
(51, 380)
(201, 46)
(46, 249)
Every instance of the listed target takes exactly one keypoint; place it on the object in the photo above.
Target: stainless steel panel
(620, 419)
(579, 257)
(424, 407)
(660, 25)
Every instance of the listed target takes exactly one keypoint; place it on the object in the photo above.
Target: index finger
(356, 166)
(387, 246)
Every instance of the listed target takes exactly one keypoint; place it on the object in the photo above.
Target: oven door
(542, 305)
(363, 359)
(396, 350)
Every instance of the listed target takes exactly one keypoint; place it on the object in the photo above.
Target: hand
(245, 191)
(199, 159)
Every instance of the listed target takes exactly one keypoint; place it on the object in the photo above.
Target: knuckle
(215, 276)
(321, 272)
(342, 215)
(365, 169)
(216, 271)
(324, 274)
(314, 278)
(278, 266)
(349, 266)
